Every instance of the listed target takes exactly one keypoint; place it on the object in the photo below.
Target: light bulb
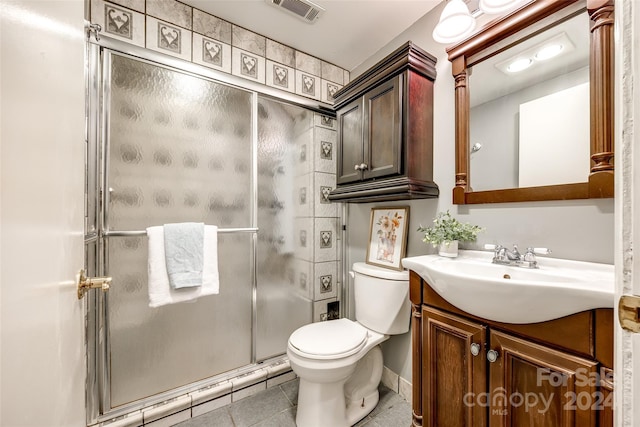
(519, 65)
(455, 23)
(549, 51)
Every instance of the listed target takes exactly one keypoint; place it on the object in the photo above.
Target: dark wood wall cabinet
(385, 130)
(469, 371)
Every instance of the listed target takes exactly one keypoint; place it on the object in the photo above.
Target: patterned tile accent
(247, 65)
(169, 39)
(211, 53)
(211, 26)
(123, 20)
(307, 85)
(280, 76)
(325, 280)
(119, 22)
(328, 90)
(281, 53)
(324, 183)
(248, 40)
(326, 244)
(324, 148)
(325, 121)
(171, 11)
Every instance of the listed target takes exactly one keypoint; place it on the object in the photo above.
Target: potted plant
(446, 232)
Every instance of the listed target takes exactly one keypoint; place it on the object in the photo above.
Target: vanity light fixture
(492, 7)
(456, 22)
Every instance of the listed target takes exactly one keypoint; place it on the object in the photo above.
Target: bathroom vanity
(473, 371)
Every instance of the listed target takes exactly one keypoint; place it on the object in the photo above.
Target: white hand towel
(160, 291)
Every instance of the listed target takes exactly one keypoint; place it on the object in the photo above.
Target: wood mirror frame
(601, 176)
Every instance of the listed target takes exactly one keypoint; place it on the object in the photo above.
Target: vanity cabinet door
(383, 130)
(536, 386)
(452, 377)
(605, 409)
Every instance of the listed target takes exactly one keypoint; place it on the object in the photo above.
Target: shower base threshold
(196, 399)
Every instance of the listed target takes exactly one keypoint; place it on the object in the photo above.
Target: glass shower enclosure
(173, 146)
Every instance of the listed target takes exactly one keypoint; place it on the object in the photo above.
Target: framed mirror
(534, 105)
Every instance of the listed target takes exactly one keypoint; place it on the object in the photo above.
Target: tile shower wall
(317, 248)
(175, 29)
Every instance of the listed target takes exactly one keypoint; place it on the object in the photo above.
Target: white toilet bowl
(339, 362)
(340, 386)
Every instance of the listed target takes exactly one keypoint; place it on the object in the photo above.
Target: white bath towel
(160, 291)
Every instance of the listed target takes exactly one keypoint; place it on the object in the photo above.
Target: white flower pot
(448, 249)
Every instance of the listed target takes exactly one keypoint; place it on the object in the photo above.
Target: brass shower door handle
(85, 283)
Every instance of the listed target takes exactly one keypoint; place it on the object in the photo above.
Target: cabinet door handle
(357, 167)
(364, 166)
(475, 349)
(492, 356)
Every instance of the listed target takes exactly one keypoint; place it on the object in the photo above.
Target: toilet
(339, 362)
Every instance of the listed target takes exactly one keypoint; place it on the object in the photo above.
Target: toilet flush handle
(352, 274)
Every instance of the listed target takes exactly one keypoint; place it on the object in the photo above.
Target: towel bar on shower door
(144, 232)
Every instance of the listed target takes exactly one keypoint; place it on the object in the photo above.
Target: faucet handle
(539, 251)
(530, 256)
(491, 247)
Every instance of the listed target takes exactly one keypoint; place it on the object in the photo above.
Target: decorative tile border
(188, 33)
(168, 39)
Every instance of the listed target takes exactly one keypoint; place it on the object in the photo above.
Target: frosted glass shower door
(178, 148)
(283, 301)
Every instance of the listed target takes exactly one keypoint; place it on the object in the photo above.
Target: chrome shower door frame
(99, 54)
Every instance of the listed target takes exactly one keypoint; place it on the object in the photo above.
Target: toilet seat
(332, 339)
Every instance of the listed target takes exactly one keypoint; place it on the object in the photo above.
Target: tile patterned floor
(276, 407)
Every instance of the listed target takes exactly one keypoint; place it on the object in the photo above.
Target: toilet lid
(330, 339)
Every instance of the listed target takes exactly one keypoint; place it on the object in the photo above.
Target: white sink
(507, 294)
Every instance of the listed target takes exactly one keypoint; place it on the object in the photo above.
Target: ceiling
(349, 31)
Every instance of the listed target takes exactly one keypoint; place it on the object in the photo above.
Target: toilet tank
(382, 298)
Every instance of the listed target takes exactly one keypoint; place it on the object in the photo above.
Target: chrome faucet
(504, 256)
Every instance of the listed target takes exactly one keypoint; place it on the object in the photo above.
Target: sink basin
(507, 294)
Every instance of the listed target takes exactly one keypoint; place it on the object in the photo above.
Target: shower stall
(167, 144)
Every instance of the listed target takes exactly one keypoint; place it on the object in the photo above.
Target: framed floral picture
(388, 236)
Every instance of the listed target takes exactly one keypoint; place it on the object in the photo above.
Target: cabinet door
(605, 408)
(350, 140)
(453, 378)
(535, 386)
(383, 129)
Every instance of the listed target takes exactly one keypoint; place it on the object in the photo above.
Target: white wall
(42, 363)
(581, 230)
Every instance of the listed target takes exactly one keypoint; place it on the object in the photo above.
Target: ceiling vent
(303, 9)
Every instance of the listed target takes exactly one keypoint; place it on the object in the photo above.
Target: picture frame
(388, 236)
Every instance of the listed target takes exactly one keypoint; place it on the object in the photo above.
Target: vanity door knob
(364, 166)
(492, 356)
(475, 349)
(357, 167)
